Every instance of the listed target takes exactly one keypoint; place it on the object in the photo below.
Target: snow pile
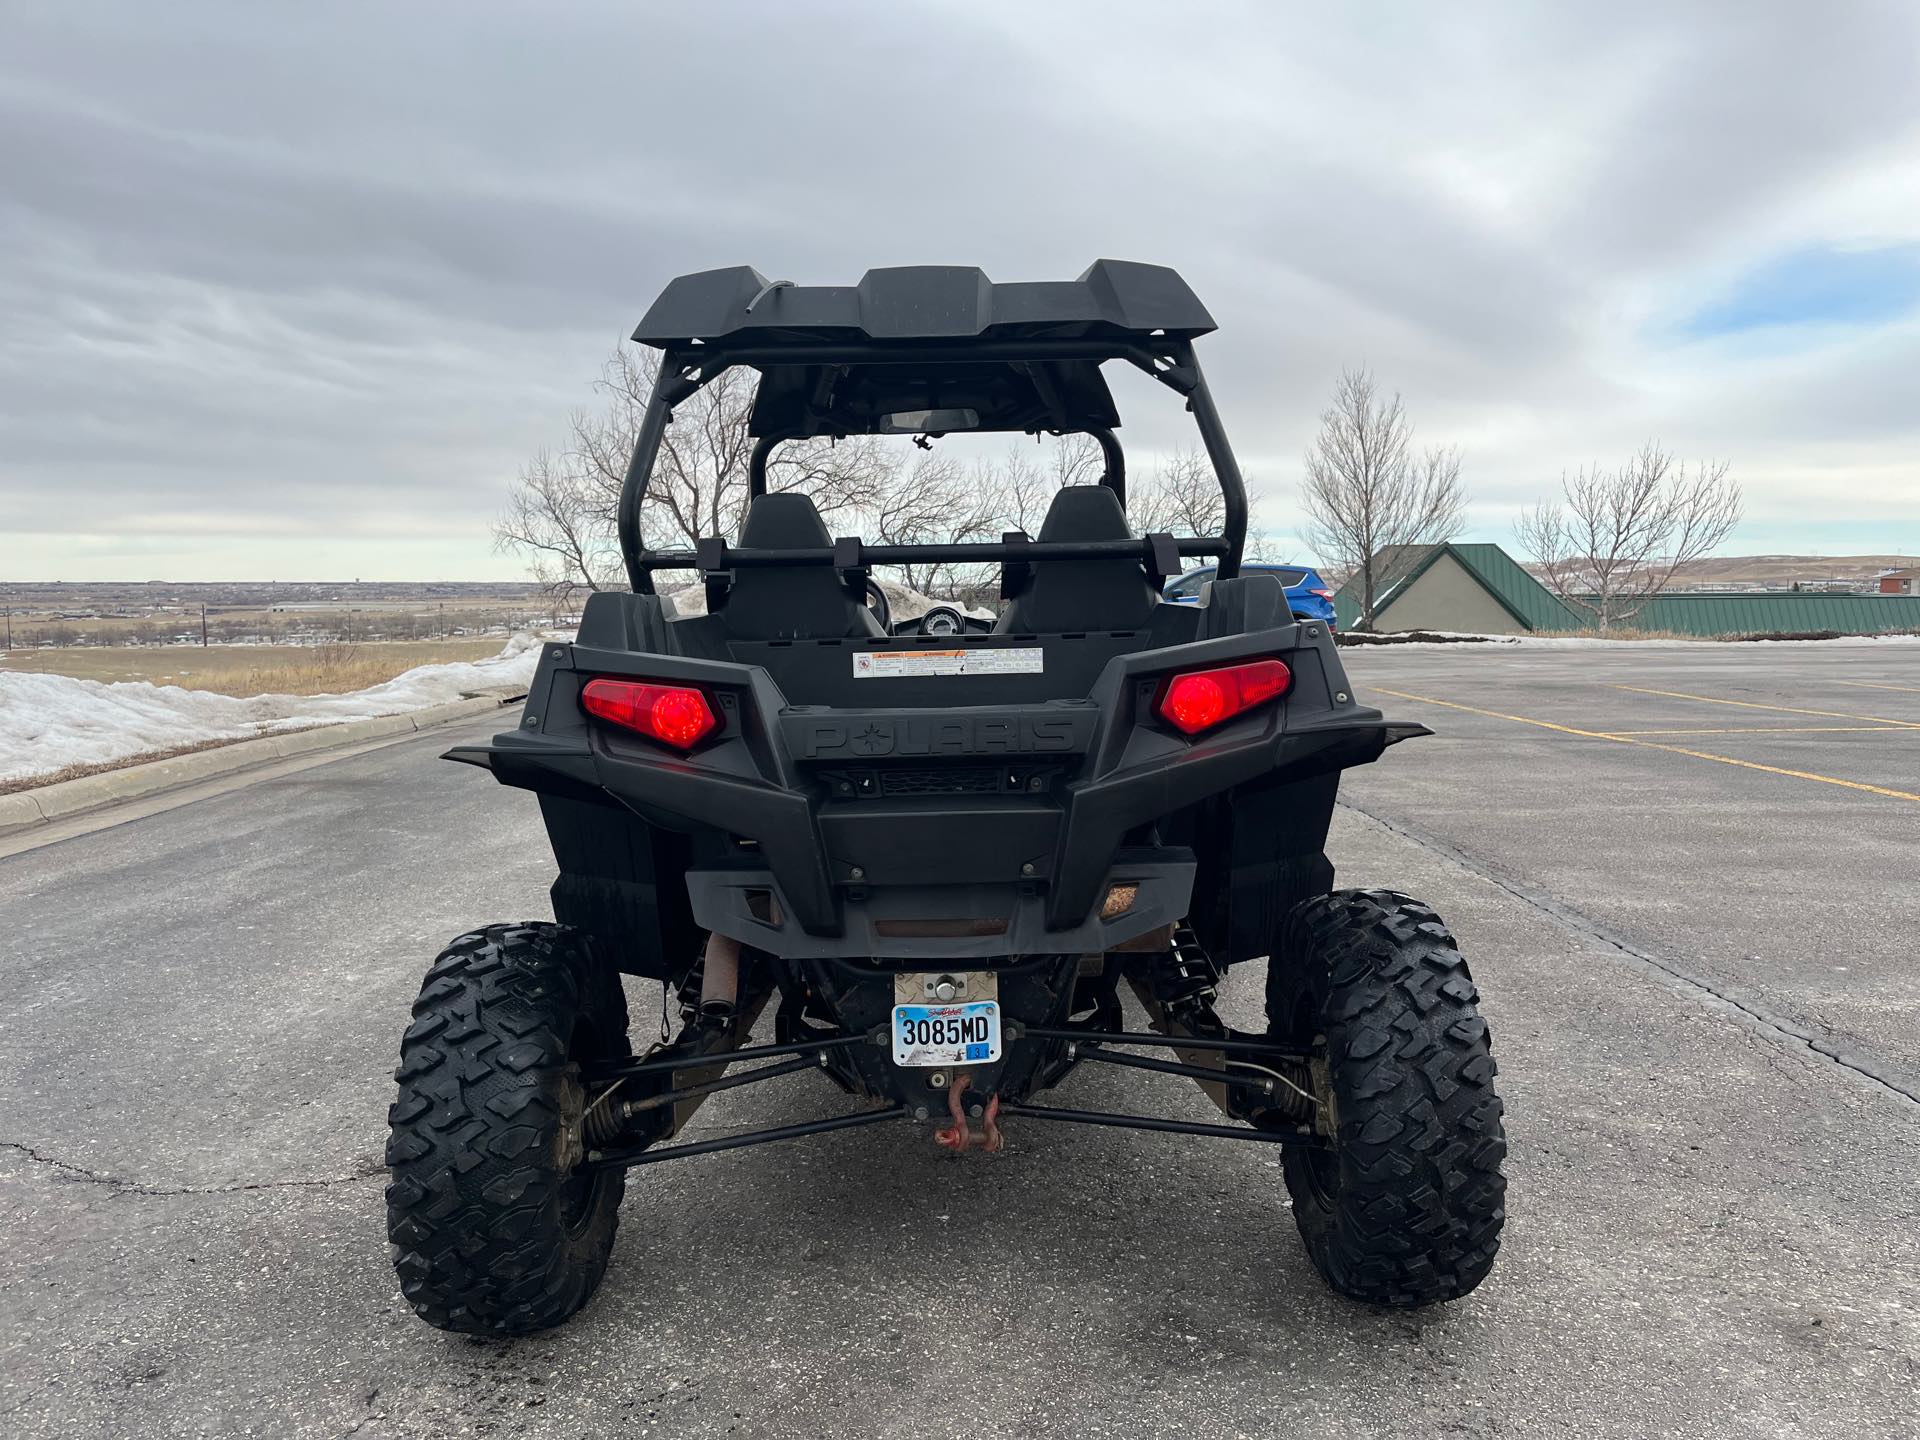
(48, 722)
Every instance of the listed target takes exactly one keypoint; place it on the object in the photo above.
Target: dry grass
(251, 669)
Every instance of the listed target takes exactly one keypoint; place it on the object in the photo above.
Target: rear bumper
(1146, 891)
(783, 786)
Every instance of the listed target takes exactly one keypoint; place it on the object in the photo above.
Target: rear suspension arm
(736, 1142)
(1087, 1050)
(1229, 1045)
(1296, 1135)
(621, 1069)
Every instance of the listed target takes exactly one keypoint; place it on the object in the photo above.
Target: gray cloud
(281, 283)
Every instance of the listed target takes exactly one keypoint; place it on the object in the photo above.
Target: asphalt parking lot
(1697, 953)
(1748, 812)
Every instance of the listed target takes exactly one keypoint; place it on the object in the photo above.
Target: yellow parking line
(1776, 730)
(1879, 685)
(1756, 705)
(1651, 745)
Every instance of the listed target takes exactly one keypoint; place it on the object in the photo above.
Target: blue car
(1307, 593)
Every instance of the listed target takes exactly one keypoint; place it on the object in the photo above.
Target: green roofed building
(1475, 589)
(1780, 613)
(1482, 590)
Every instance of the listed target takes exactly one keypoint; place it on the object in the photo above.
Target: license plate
(967, 1034)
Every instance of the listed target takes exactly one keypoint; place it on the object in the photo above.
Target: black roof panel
(1118, 298)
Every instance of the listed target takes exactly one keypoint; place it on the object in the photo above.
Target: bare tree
(1366, 491)
(561, 518)
(1619, 536)
(1075, 459)
(1181, 497)
(936, 500)
(562, 510)
(1019, 486)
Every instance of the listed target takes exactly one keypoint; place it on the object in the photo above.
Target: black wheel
(1406, 1207)
(881, 607)
(495, 1232)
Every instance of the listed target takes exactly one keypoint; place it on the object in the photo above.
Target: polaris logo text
(937, 735)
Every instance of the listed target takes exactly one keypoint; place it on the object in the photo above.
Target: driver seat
(790, 602)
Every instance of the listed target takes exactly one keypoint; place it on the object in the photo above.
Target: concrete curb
(30, 808)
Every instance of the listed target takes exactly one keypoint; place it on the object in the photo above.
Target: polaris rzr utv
(938, 853)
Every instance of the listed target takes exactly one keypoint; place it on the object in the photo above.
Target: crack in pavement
(80, 1175)
(1744, 1012)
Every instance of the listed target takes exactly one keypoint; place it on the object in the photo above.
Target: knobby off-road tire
(1407, 1207)
(493, 1233)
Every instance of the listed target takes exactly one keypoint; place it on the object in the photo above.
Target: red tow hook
(957, 1137)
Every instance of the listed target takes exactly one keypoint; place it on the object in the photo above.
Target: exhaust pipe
(720, 980)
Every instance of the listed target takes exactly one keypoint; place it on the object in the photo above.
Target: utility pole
(203, 624)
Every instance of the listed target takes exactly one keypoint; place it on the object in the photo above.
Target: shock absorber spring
(605, 1118)
(1294, 1096)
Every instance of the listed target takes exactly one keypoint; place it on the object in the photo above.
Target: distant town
(268, 612)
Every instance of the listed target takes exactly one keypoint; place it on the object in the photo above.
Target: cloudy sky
(292, 290)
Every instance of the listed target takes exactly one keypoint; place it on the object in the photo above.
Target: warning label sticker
(902, 664)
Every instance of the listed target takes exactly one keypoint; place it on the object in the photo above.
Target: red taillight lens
(1202, 699)
(1323, 594)
(677, 715)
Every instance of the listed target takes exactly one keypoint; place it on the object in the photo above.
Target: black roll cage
(685, 369)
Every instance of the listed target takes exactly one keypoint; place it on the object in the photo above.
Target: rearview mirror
(927, 422)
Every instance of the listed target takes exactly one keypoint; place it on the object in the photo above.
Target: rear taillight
(676, 715)
(1323, 594)
(1202, 699)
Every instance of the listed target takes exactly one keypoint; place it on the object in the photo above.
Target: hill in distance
(1785, 569)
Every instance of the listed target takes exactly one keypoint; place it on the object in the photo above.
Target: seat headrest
(1107, 593)
(784, 521)
(790, 602)
(1085, 512)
